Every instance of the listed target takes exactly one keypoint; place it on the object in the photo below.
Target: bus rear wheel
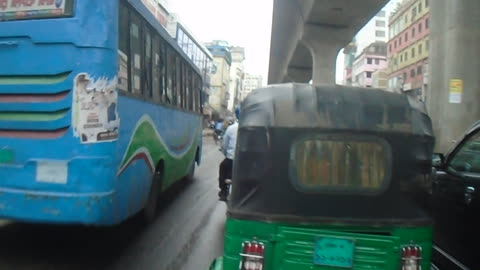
(149, 213)
(191, 173)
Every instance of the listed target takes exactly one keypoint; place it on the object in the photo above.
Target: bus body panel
(56, 173)
(148, 137)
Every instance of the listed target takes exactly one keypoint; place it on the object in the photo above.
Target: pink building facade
(408, 47)
(373, 58)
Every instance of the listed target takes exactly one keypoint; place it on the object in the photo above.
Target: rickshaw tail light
(252, 255)
(412, 257)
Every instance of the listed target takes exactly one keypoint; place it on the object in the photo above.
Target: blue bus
(99, 111)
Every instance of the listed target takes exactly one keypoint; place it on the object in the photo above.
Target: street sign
(456, 91)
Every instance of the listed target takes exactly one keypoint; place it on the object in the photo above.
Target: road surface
(187, 235)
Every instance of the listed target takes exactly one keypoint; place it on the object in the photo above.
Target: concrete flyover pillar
(453, 99)
(324, 43)
(301, 75)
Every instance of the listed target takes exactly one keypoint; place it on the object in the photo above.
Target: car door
(457, 186)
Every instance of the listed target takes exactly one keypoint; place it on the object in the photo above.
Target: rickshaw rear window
(340, 164)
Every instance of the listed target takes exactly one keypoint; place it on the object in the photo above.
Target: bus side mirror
(438, 160)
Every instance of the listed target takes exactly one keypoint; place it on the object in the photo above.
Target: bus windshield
(34, 9)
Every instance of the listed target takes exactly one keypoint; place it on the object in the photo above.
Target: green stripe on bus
(32, 116)
(34, 79)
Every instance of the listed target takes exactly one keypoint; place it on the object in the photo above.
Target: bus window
(179, 82)
(169, 86)
(156, 69)
(163, 70)
(135, 54)
(198, 92)
(173, 68)
(147, 70)
(182, 67)
(185, 85)
(194, 93)
(123, 40)
(189, 90)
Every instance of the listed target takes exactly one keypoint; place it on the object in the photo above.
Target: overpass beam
(324, 43)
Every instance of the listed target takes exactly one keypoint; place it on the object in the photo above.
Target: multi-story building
(375, 30)
(350, 52)
(159, 9)
(237, 72)
(250, 83)
(380, 79)
(371, 59)
(408, 47)
(220, 78)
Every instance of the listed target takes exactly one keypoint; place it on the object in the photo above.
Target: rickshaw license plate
(335, 252)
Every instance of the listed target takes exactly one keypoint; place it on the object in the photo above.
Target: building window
(404, 76)
(377, 61)
(406, 37)
(419, 70)
(427, 45)
(413, 32)
(426, 23)
(401, 58)
(406, 56)
(412, 73)
(420, 49)
(381, 13)
(390, 47)
(420, 27)
(369, 74)
(419, 7)
(380, 23)
(413, 52)
(380, 33)
(414, 13)
(406, 18)
(400, 41)
(426, 3)
(395, 44)
(369, 61)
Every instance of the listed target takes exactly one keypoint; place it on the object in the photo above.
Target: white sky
(245, 23)
(340, 59)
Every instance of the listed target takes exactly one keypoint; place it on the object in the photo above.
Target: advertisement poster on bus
(95, 116)
(32, 8)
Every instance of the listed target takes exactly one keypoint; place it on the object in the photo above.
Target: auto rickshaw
(325, 177)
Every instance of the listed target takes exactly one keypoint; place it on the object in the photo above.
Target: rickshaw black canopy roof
(262, 189)
(334, 107)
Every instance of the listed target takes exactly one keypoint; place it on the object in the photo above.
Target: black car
(455, 203)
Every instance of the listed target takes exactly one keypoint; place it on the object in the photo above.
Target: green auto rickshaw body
(329, 177)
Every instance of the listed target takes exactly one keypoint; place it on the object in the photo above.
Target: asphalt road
(187, 235)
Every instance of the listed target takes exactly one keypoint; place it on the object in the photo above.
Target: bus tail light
(412, 257)
(252, 255)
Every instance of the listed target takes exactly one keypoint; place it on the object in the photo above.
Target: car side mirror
(438, 160)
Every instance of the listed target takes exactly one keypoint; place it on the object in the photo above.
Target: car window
(467, 158)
